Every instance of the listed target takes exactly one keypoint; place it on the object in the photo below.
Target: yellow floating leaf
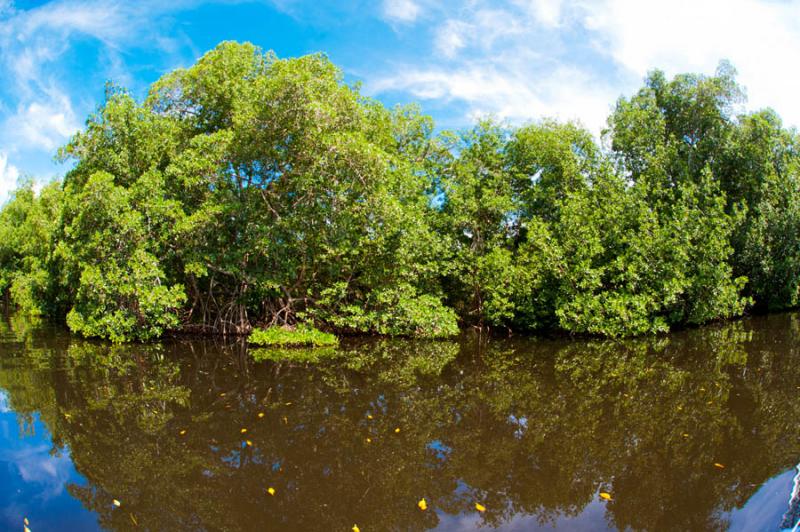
(243, 431)
(606, 496)
(369, 440)
(183, 432)
(685, 434)
(222, 394)
(397, 430)
(116, 503)
(249, 443)
(289, 403)
(261, 414)
(271, 490)
(718, 465)
(480, 507)
(356, 529)
(134, 521)
(422, 504)
(369, 416)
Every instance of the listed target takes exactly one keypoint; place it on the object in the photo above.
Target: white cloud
(525, 59)
(546, 12)
(510, 94)
(401, 10)
(510, 62)
(44, 126)
(758, 37)
(452, 37)
(41, 107)
(9, 175)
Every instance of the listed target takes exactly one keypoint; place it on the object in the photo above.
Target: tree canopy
(248, 190)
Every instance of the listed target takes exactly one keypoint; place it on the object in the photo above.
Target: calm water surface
(696, 431)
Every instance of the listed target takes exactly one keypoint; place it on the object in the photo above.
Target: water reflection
(190, 435)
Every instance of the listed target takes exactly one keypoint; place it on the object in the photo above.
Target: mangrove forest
(248, 191)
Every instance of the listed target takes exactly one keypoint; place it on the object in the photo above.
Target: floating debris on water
(481, 508)
(422, 504)
(606, 496)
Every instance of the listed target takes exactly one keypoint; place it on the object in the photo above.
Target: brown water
(533, 430)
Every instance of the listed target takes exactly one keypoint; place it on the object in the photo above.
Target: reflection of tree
(524, 426)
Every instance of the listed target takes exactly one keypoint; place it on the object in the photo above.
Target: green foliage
(677, 130)
(630, 267)
(122, 292)
(249, 190)
(28, 225)
(302, 335)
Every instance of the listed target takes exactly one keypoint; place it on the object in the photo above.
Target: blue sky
(520, 60)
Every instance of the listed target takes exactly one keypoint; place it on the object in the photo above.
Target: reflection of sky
(34, 481)
(3, 402)
(765, 509)
(591, 519)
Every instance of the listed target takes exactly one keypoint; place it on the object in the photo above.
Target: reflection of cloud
(4, 403)
(36, 465)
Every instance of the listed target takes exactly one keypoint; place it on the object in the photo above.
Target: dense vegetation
(252, 191)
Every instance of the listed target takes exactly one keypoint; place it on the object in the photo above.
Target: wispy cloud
(519, 60)
(758, 37)
(44, 124)
(8, 182)
(401, 10)
(546, 12)
(44, 92)
(511, 60)
(525, 59)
